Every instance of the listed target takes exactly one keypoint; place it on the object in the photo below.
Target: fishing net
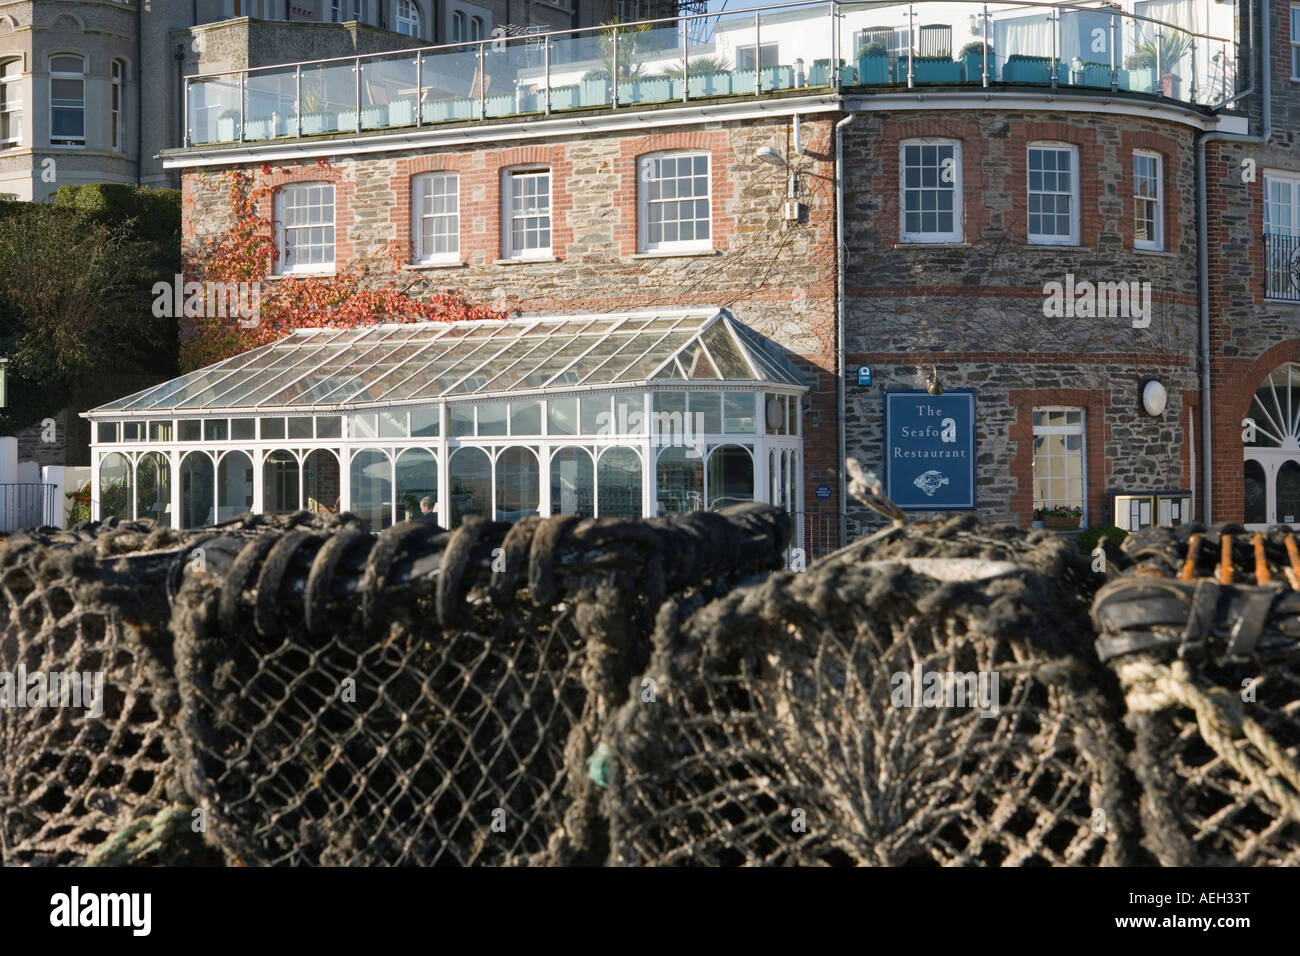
(81, 761)
(296, 690)
(781, 730)
(425, 697)
(1204, 634)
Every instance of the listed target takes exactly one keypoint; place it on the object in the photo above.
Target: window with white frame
(1053, 194)
(11, 103)
(1282, 204)
(459, 27)
(930, 204)
(343, 11)
(476, 28)
(408, 19)
(259, 9)
(527, 213)
(67, 101)
(118, 132)
(674, 213)
(1295, 42)
(1148, 201)
(1059, 473)
(304, 228)
(435, 217)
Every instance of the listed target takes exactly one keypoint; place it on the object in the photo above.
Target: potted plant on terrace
(1172, 48)
(1059, 518)
(873, 64)
(972, 59)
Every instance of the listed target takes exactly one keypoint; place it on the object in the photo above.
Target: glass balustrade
(782, 50)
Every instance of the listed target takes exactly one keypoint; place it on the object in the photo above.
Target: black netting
(298, 691)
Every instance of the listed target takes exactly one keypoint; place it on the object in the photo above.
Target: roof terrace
(1177, 51)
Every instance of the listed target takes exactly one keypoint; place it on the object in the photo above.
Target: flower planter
(873, 70)
(374, 117)
(1138, 81)
(1058, 523)
(710, 84)
(1171, 85)
(973, 67)
(935, 70)
(593, 93)
(401, 113)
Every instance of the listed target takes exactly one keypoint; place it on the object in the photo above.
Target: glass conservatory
(618, 414)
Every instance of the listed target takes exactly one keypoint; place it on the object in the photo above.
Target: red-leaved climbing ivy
(364, 291)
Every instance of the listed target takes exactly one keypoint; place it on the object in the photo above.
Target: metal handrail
(729, 14)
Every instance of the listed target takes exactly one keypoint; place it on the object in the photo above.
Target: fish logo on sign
(930, 482)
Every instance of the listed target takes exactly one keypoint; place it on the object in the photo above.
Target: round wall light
(1154, 398)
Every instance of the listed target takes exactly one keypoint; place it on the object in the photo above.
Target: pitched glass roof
(424, 361)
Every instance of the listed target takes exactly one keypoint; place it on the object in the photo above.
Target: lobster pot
(84, 767)
(1202, 632)
(363, 732)
(926, 696)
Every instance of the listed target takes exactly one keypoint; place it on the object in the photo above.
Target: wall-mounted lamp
(794, 210)
(932, 383)
(1154, 398)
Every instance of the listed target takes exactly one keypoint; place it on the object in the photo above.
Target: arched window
(517, 484)
(679, 481)
(408, 20)
(234, 485)
(573, 483)
(476, 28)
(118, 107)
(1255, 489)
(417, 478)
(1272, 440)
(115, 487)
(618, 483)
(11, 103)
(372, 488)
(1288, 493)
(320, 482)
(153, 488)
(459, 27)
(67, 100)
(280, 477)
(471, 485)
(731, 476)
(197, 487)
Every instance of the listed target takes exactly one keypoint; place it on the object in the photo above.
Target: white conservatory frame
(368, 381)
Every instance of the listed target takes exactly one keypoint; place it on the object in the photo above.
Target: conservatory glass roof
(425, 361)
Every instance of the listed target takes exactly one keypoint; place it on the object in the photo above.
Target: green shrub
(1089, 538)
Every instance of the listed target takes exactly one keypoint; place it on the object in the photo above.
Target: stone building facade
(1116, 400)
(121, 64)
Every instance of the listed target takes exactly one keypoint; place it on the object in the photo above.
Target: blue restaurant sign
(930, 450)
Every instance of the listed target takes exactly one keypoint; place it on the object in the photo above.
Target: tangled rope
(1151, 686)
